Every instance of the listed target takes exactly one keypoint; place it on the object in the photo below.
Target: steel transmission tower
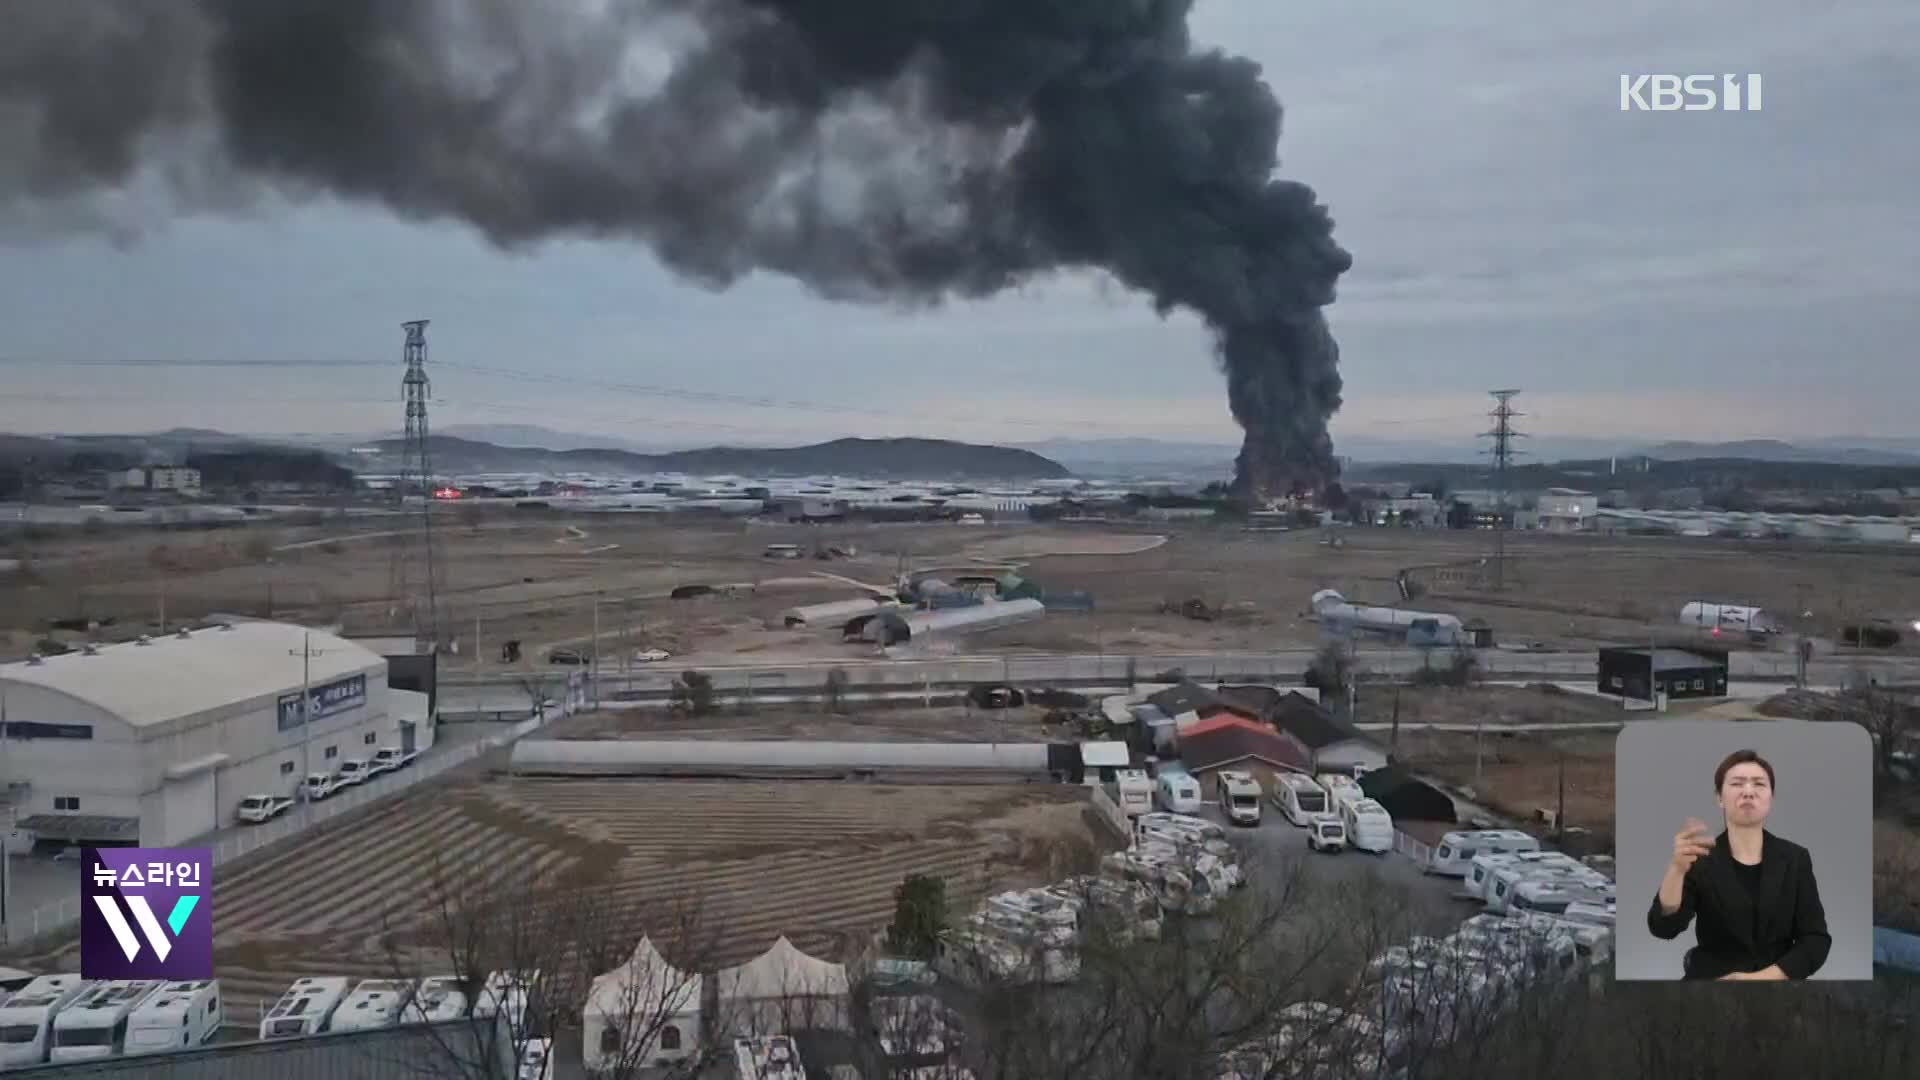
(1503, 451)
(416, 600)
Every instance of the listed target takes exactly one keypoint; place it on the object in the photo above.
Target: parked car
(353, 771)
(318, 786)
(572, 657)
(649, 656)
(258, 808)
(389, 758)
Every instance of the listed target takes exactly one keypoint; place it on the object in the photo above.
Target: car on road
(389, 758)
(255, 809)
(649, 656)
(318, 786)
(354, 771)
(1326, 832)
(569, 657)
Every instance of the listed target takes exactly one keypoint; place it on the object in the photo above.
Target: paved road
(1088, 669)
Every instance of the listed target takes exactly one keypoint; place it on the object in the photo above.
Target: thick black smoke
(880, 150)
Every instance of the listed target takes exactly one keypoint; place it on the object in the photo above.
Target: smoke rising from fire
(887, 151)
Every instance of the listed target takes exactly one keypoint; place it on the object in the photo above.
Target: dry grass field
(941, 723)
(815, 861)
(534, 578)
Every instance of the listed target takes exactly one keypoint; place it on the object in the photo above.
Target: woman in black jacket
(1754, 894)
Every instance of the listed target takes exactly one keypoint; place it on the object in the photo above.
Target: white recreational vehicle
(94, 1025)
(1554, 897)
(1298, 797)
(1182, 830)
(1340, 788)
(1501, 893)
(508, 992)
(1126, 909)
(181, 1016)
(26, 1020)
(1369, 826)
(975, 959)
(305, 1009)
(773, 1058)
(1050, 952)
(1479, 879)
(1175, 790)
(1220, 874)
(1738, 618)
(1036, 913)
(375, 1003)
(439, 998)
(1175, 887)
(1132, 790)
(1455, 854)
(1239, 795)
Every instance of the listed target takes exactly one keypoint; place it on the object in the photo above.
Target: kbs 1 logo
(1689, 93)
(146, 913)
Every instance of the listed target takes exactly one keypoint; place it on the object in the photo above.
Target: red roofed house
(1233, 742)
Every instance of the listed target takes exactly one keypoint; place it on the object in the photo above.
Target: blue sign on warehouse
(323, 701)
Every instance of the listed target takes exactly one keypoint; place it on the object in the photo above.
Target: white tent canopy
(637, 1001)
(783, 988)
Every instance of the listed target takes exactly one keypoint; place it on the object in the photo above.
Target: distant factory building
(1567, 510)
(175, 478)
(154, 742)
(1677, 673)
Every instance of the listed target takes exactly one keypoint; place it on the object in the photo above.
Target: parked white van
(375, 1003)
(181, 1016)
(305, 1009)
(1326, 832)
(1455, 854)
(94, 1025)
(1369, 826)
(1239, 795)
(1298, 797)
(1176, 790)
(26, 1020)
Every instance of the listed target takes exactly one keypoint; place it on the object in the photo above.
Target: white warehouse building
(156, 741)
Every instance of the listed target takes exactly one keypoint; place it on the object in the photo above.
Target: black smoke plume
(894, 151)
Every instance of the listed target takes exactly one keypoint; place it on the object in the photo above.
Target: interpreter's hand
(1690, 843)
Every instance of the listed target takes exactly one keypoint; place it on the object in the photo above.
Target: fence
(48, 918)
(1419, 851)
(1104, 805)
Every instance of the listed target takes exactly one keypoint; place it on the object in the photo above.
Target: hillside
(1707, 474)
(894, 458)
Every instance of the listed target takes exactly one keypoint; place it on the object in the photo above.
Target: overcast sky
(1702, 275)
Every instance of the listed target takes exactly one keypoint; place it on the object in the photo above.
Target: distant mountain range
(919, 459)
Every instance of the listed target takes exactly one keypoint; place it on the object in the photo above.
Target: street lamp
(306, 653)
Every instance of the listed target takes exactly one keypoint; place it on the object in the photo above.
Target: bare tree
(1888, 717)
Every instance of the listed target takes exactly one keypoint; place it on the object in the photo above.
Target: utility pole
(593, 653)
(306, 655)
(416, 473)
(1560, 809)
(1503, 452)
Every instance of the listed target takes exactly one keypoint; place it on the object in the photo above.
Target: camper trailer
(1176, 791)
(1046, 950)
(1501, 891)
(508, 992)
(1182, 830)
(1036, 913)
(1173, 885)
(1554, 897)
(974, 959)
(1220, 874)
(305, 1009)
(439, 998)
(1239, 795)
(1456, 851)
(375, 1003)
(26, 1020)
(1479, 879)
(1340, 788)
(181, 1016)
(1132, 791)
(772, 1058)
(1127, 910)
(1732, 618)
(1298, 797)
(1369, 826)
(94, 1025)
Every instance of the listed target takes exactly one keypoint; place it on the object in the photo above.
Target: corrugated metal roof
(1104, 754)
(453, 1048)
(177, 675)
(640, 755)
(836, 609)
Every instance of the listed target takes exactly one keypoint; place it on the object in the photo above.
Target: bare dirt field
(534, 579)
(816, 861)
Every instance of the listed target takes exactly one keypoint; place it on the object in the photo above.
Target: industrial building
(1567, 510)
(156, 478)
(1677, 673)
(155, 741)
(890, 627)
(1330, 743)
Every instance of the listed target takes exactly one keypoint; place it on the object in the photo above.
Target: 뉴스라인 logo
(146, 913)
